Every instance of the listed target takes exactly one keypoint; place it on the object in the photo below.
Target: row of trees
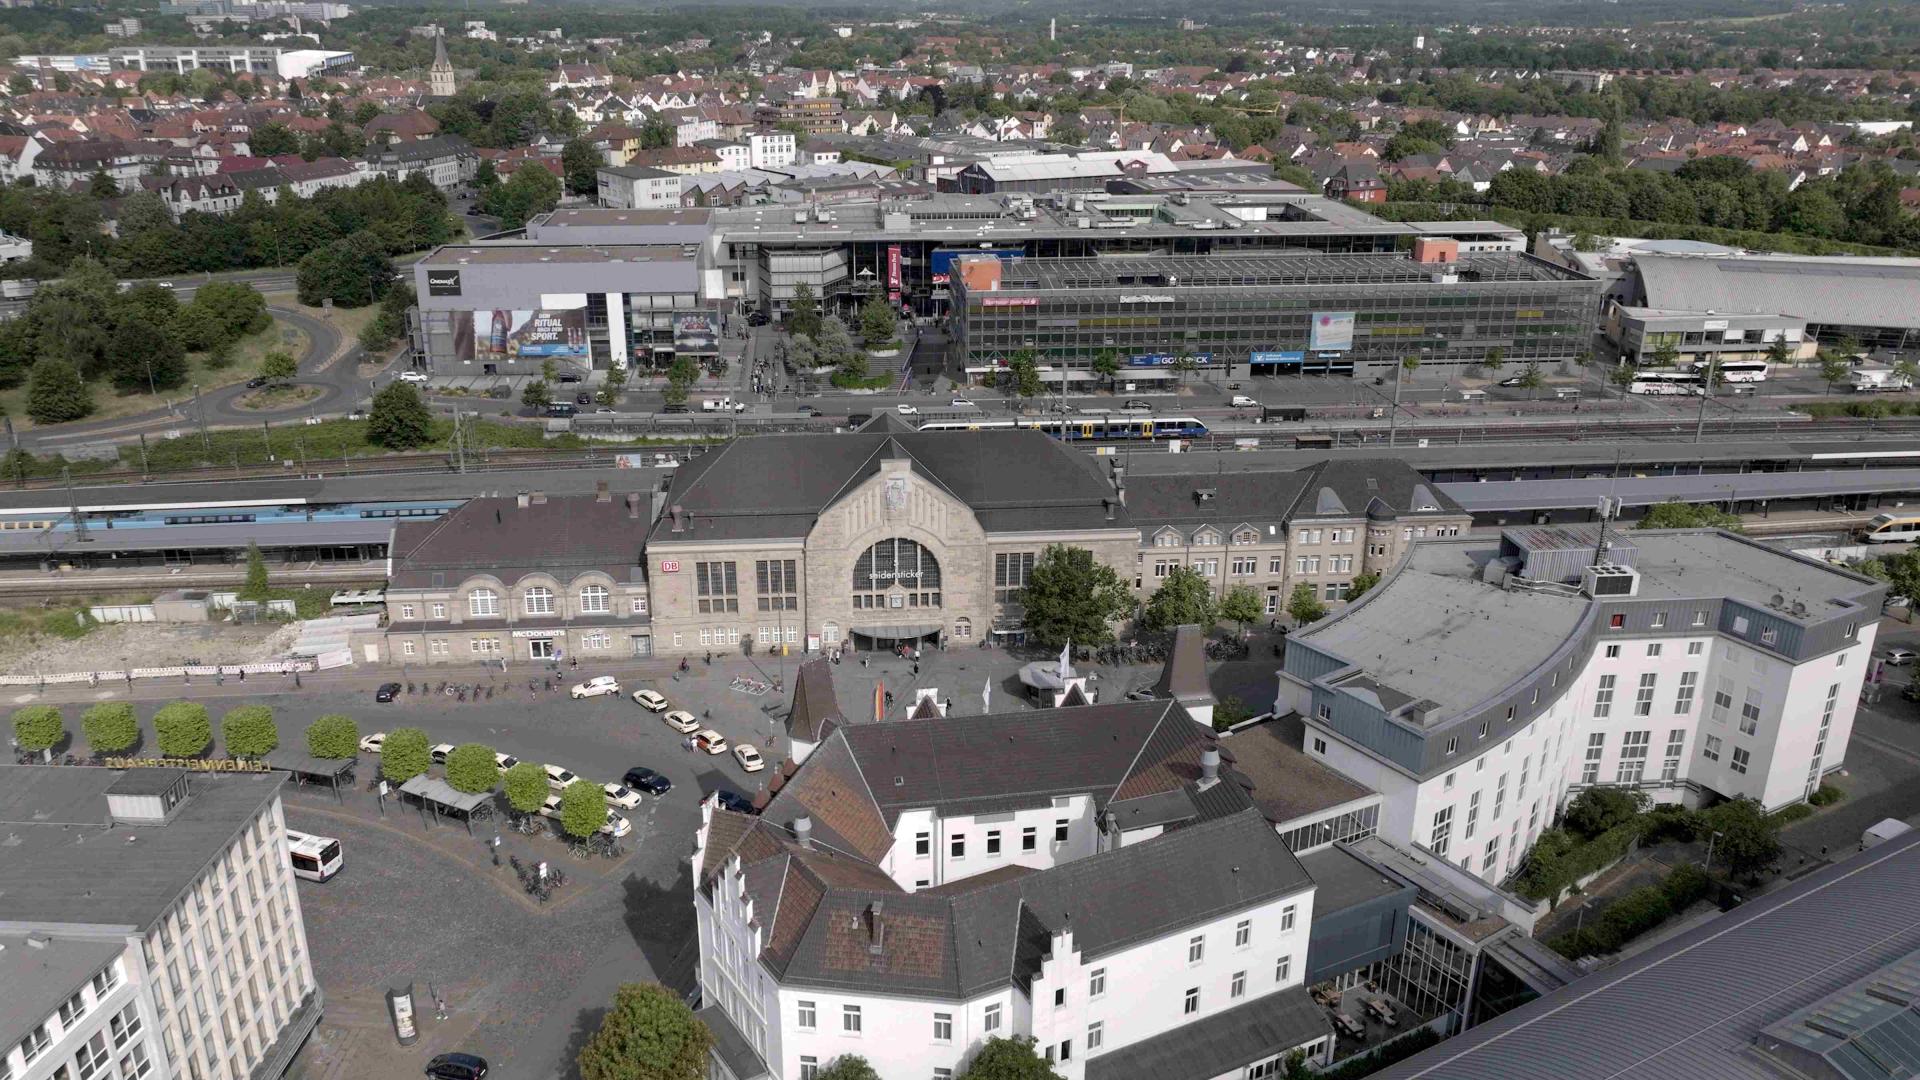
(530, 191)
(82, 330)
(181, 729)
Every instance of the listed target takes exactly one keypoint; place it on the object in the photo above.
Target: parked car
(1513, 380)
(256, 382)
(567, 377)
(457, 1066)
(594, 687)
(748, 757)
(650, 699)
(734, 801)
(961, 403)
(505, 761)
(808, 410)
(616, 825)
(621, 797)
(357, 414)
(558, 778)
(413, 376)
(372, 744)
(583, 398)
(682, 721)
(438, 755)
(711, 741)
(1242, 401)
(641, 778)
(550, 807)
(1911, 691)
(905, 409)
(387, 692)
(1899, 657)
(1137, 405)
(757, 318)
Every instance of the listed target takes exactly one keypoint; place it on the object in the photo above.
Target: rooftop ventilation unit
(1610, 581)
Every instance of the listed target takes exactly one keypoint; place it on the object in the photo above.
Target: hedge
(183, 729)
(1373, 1061)
(1635, 913)
(249, 731)
(38, 727)
(333, 736)
(1826, 795)
(110, 727)
(1787, 815)
(1535, 221)
(1550, 870)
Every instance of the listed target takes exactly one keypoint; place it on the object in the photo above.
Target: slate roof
(815, 706)
(1184, 676)
(1383, 489)
(776, 486)
(1219, 1045)
(562, 536)
(1832, 290)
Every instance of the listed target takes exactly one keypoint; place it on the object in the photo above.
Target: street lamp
(1717, 835)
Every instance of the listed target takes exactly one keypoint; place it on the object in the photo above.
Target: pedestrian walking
(916, 669)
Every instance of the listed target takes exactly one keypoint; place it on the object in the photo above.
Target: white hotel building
(149, 927)
(1485, 681)
(1087, 876)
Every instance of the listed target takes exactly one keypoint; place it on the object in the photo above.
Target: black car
(256, 382)
(1136, 403)
(758, 318)
(1911, 692)
(734, 801)
(457, 1067)
(568, 377)
(808, 410)
(387, 692)
(641, 778)
(583, 399)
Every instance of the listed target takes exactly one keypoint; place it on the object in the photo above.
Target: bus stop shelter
(307, 769)
(441, 798)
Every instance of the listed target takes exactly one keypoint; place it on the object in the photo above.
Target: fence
(260, 667)
(121, 613)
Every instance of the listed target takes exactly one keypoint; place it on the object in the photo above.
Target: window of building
(942, 1027)
(1287, 915)
(1196, 949)
(1643, 695)
(1097, 983)
(1603, 697)
(1319, 745)
(993, 841)
(1442, 833)
(922, 843)
(1243, 933)
(1750, 713)
(406, 611)
(1245, 565)
(595, 600)
(483, 602)
(1676, 742)
(1239, 986)
(1473, 816)
(1634, 746)
(72, 1009)
(990, 1019)
(717, 586)
(1096, 1034)
(1590, 768)
(539, 600)
(1059, 997)
(1277, 565)
(35, 1043)
(1710, 748)
(809, 1067)
(92, 1055)
(1192, 1002)
(1740, 759)
(1491, 856)
(957, 847)
(850, 1019)
(1617, 621)
(1613, 651)
(807, 1017)
(1659, 620)
(1453, 745)
(1653, 648)
(1683, 702)
(1060, 831)
(777, 583)
(1283, 969)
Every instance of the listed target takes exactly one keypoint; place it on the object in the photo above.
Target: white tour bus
(315, 858)
(1891, 529)
(1736, 371)
(1665, 382)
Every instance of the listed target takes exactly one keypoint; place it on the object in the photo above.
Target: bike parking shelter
(441, 798)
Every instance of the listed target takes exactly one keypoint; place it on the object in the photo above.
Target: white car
(616, 825)
(650, 699)
(711, 741)
(749, 757)
(439, 753)
(505, 761)
(371, 744)
(558, 778)
(961, 403)
(905, 409)
(550, 807)
(1242, 401)
(413, 376)
(594, 687)
(682, 721)
(620, 797)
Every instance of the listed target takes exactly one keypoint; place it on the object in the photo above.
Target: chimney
(539, 498)
(521, 500)
(676, 512)
(600, 492)
(803, 832)
(633, 506)
(1209, 767)
(876, 930)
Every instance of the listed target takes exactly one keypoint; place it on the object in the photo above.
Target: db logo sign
(669, 566)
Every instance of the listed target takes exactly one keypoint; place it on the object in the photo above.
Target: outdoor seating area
(1362, 1017)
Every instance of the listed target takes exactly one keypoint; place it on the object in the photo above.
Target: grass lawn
(269, 398)
(349, 320)
(110, 403)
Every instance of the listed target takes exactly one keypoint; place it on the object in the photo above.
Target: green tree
(656, 134)
(399, 420)
(404, 755)
(1184, 596)
(1674, 514)
(1071, 596)
(536, 395)
(56, 393)
(1779, 351)
(848, 1067)
(1496, 357)
(583, 808)
(200, 329)
(38, 727)
(278, 366)
(257, 587)
(804, 319)
(616, 381)
(145, 357)
(249, 731)
(674, 394)
(1185, 365)
(1241, 605)
(1410, 365)
(1598, 809)
(334, 736)
(581, 162)
(102, 186)
(1665, 353)
(648, 1034)
(1009, 1059)
(1304, 605)
(1532, 378)
(1023, 375)
(1361, 583)
(530, 191)
(1906, 370)
(238, 306)
(472, 769)
(879, 323)
(526, 786)
(353, 271)
(1749, 838)
(1622, 376)
(1106, 364)
(182, 729)
(273, 139)
(110, 727)
(1834, 368)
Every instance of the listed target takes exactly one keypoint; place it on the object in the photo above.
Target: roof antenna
(1609, 506)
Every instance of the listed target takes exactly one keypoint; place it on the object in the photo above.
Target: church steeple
(440, 75)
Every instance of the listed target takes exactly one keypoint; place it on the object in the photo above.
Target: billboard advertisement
(893, 272)
(1291, 358)
(941, 260)
(503, 334)
(1201, 359)
(693, 332)
(443, 283)
(1332, 331)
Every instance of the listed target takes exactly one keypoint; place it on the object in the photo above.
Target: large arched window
(895, 562)
(539, 600)
(481, 602)
(594, 600)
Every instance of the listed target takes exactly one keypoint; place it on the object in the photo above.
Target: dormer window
(1206, 538)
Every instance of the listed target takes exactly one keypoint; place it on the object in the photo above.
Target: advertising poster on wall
(940, 265)
(893, 272)
(1332, 331)
(693, 332)
(536, 334)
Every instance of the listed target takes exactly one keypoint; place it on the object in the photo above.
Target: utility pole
(1706, 391)
(200, 410)
(145, 469)
(73, 503)
(1393, 416)
(459, 442)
